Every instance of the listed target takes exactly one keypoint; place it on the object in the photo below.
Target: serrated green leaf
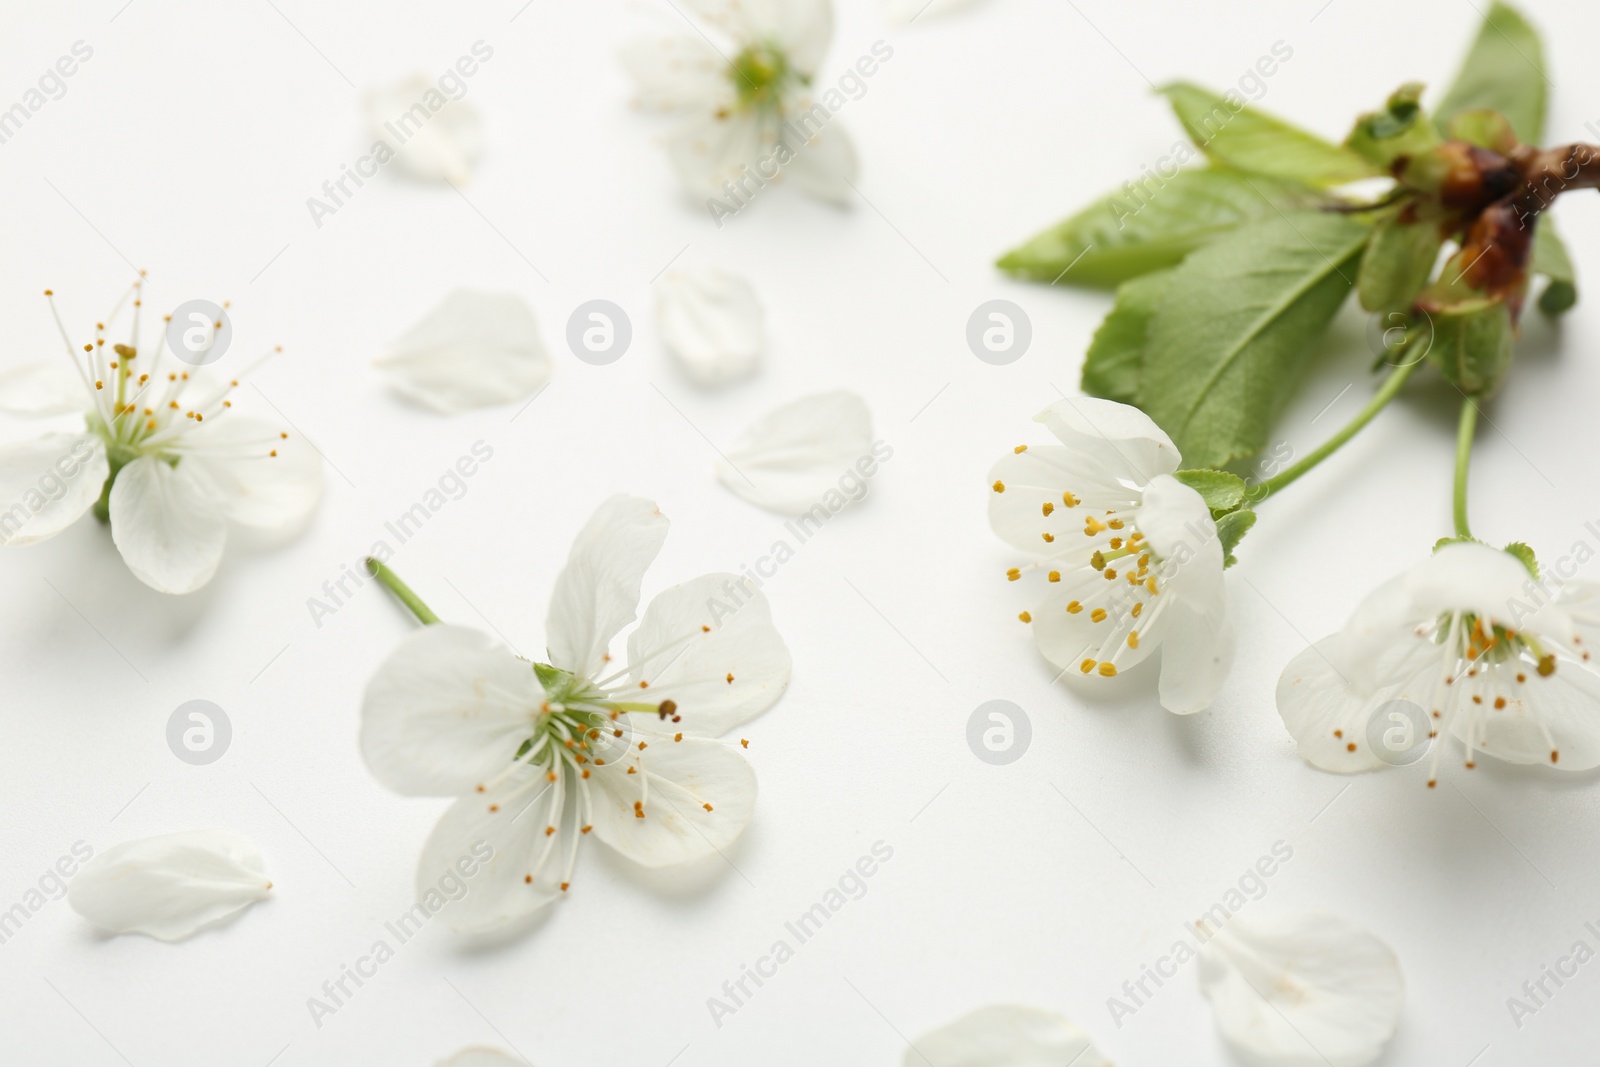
(1503, 71)
(1231, 529)
(1116, 355)
(1551, 260)
(1250, 140)
(1525, 554)
(1220, 490)
(1397, 263)
(1151, 226)
(1238, 326)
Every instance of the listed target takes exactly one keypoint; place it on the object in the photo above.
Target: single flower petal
(481, 1057)
(678, 73)
(166, 524)
(1119, 437)
(712, 150)
(1044, 489)
(597, 592)
(43, 388)
(710, 647)
(492, 859)
(685, 800)
(1307, 990)
(1005, 1035)
(826, 165)
(261, 477)
(1196, 654)
(47, 484)
(711, 321)
(446, 712)
(792, 459)
(170, 886)
(434, 137)
(474, 350)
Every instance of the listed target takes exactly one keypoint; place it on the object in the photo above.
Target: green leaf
(1151, 226)
(1551, 260)
(1237, 327)
(1525, 554)
(1220, 490)
(1116, 355)
(1250, 140)
(1398, 263)
(1484, 128)
(1399, 131)
(1231, 529)
(1504, 71)
(1472, 343)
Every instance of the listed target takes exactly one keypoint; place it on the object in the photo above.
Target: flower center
(579, 725)
(760, 75)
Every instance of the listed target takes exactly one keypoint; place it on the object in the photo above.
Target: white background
(189, 144)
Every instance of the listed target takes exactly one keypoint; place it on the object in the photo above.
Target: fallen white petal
(793, 458)
(474, 350)
(1006, 1036)
(711, 321)
(434, 137)
(170, 886)
(1305, 990)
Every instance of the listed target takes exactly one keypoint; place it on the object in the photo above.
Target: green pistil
(760, 74)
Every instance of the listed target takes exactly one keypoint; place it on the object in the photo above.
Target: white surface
(191, 141)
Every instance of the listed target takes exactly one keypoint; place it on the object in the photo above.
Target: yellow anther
(1019, 450)
(999, 486)
(1092, 526)
(1049, 538)
(1098, 614)
(1013, 574)
(1048, 508)
(1073, 607)
(1133, 639)
(1108, 670)
(1055, 576)
(1069, 500)
(1025, 617)
(1086, 666)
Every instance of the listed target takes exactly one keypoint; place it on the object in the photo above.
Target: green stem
(1464, 433)
(400, 589)
(1380, 399)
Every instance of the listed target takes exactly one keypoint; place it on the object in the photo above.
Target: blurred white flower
(751, 118)
(1306, 990)
(793, 457)
(545, 753)
(1131, 554)
(1006, 1036)
(161, 456)
(434, 137)
(711, 321)
(170, 886)
(474, 350)
(1471, 639)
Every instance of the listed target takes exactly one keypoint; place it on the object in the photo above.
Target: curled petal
(474, 350)
(47, 484)
(436, 138)
(167, 524)
(597, 592)
(171, 886)
(1118, 437)
(1306, 990)
(446, 712)
(793, 459)
(710, 647)
(1006, 1035)
(711, 321)
(685, 800)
